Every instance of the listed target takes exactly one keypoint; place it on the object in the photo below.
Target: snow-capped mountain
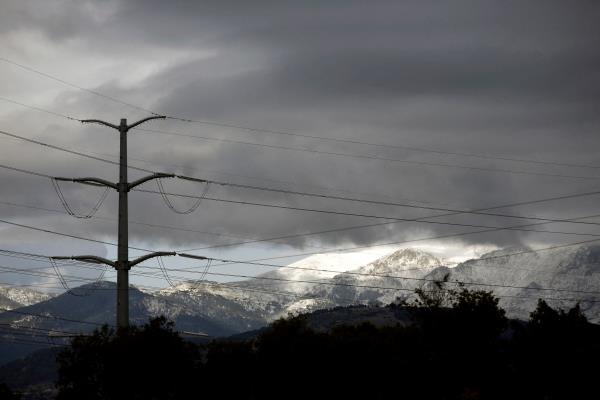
(14, 297)
(299, 277)
(219, 309)
(574, 271)
(381, 281)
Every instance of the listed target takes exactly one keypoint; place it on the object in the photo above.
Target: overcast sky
(510, 79)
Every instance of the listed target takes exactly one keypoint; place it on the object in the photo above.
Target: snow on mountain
(226, 308)
(14, 297)
(575, 271)
(347, 278)
(319, 267)
(220, 300)
(381, 281)
(405, 260)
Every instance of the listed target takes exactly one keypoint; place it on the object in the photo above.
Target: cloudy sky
(416, 82)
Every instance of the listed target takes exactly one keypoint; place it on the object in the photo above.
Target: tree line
(459, 345)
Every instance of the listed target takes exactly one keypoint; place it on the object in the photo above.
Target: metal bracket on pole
(141, 121)
(151, 255)
(88, 258)
(89, 181)
(97, 121)
(148, 178)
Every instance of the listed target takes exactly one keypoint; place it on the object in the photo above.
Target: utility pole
(122, 265)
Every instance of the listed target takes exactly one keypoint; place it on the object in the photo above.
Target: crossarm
(141, 121)
(89, 259)
(151, 255)
(89, 181)
(148, 178)
(97, 121)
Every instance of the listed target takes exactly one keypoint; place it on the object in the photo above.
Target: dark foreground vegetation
(457, 347)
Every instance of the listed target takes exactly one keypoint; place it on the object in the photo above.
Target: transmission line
(340, 154)
(367, 201)
(366, 157)
(67, 235)
(397, 219)
(287, 132)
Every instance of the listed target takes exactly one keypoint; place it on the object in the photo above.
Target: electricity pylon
(122, 265)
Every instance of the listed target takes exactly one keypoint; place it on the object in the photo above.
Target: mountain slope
(574, 270)
(218, 316)
(382, 281)
(14, 297)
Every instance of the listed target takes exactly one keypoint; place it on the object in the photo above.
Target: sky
(444, 98)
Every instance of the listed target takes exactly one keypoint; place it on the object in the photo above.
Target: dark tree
(7, 394)
(151, 362)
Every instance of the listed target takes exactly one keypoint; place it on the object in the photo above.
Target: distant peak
(400, 259)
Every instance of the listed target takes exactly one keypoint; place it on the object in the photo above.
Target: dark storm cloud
(503, 78)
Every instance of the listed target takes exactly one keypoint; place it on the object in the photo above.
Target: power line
(367, 157)
(25, 171)
(56, 114)
(394, 288)
(333, 212)
(254, 187)
(21, 312)
(66, 234)
(94, 92)
(167, 201)
(228, 286)
(387, 244)
(398, 219)
(296, 208)
(339, 154)
(95, 217)
(70, 151)
(87, 155)
(70, 210)
(367, 201)
(289, 133)
(371, 286)
(380, 145)
(374, 275)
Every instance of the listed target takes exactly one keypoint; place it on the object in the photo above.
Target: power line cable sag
(404, 220)
(375, 275)
(89, 155)
(95, 217)
(70, 210)
(164, 194)
(253, 187)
